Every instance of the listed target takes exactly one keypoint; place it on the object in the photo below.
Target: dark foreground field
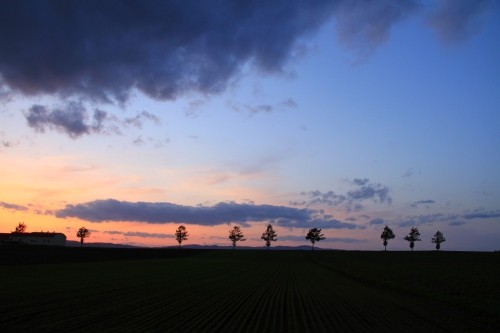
(248, 291)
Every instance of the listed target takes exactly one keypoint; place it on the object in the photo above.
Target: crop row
(218, 291)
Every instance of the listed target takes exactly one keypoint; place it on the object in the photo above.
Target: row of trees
(313, 235)
(236, 235)
(412, 237)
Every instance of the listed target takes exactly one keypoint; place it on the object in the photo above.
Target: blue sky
(347, 116)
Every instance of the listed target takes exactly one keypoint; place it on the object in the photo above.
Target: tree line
(412, 237)
(269, 235)
(315, 235)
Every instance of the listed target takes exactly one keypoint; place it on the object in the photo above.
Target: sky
(131, 118)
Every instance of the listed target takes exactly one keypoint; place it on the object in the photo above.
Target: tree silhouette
(181, 234)
(82, 233)
(236, 235)
(386, 235)
(314, 235)
(412, 237)
(438, 239)
(20, 228)
(269, 236)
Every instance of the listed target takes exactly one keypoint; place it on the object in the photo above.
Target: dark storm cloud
(10, 206)
(455, 20)
(221, 213)
(102, 49)
(351, 200)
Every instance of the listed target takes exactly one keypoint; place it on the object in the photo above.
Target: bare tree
(438, 239)
(314, 235)
(412, 237)
(236, 235)
(181, 234)
(20, 228)
(82, 233)
(269, 236)
(386, 235)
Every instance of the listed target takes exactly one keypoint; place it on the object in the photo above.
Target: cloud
(411, 221)
(263, 108)
(103, 50)
(376, 222)
(421, 202)
(482, 214)
(363, 24)
(408, 173)
(351, 200)
(220, 213)
(374, 191)
(456, 20)
(450, 219)
(318, 222)
(456, 223)
(10, 206)
(139, 234)
(73, 120)
(344, 240)
(296, 238)
(139, 119)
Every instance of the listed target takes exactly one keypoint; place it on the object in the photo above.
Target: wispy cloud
(377, 221)
(482, 214)
(456, 20)
(284, 105)
(416, 204)
(139, 234)
(363, 25)
(351, 200)
(10, 206)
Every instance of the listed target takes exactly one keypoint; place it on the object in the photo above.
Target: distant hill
(107, 245)
(272, 248)
(198, 246)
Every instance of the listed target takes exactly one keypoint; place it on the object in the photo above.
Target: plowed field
(255, 291)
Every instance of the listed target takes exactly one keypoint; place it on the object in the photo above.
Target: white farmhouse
(38, 238)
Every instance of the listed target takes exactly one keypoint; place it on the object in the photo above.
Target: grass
(255, 291)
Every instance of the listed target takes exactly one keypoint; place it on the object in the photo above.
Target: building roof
(37, 234)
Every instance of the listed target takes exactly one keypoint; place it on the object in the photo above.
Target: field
(93, 290)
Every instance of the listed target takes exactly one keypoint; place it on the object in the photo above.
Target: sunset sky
(133, 117)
